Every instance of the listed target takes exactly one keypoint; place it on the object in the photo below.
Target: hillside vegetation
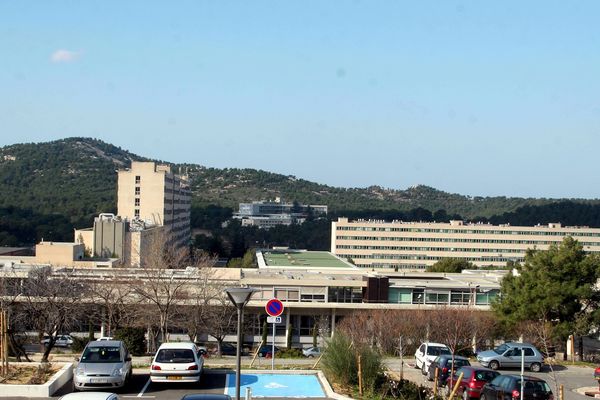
(74, 179)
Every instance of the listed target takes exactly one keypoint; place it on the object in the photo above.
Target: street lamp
(239, 296)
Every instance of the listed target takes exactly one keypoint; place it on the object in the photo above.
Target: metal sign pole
(273, 350)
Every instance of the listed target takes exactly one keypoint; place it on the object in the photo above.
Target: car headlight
(117, 372)
(79, 372)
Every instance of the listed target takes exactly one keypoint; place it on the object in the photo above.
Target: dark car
(443, 364)
(472, 381)
(227, 349)
(267, 349)
(509, 387)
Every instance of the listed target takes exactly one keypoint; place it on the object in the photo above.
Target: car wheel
(482, 397)
(429, 376)
(494, 365)
(535, 367)
(423, 370)
(311, 356)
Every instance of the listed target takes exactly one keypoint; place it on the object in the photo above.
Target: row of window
(426, 257)
(457, 240)
(444, 249)
(468, 231)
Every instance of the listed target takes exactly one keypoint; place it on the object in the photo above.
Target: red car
(472, 381)
(597, 373)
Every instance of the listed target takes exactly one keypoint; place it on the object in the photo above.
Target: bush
(79, 344)
(339, 362)
(133, 338)
(371, 367)
(289, 353)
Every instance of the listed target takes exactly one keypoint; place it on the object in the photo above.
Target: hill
(75, 179)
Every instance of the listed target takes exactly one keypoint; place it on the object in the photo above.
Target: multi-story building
(416, 245)
(151, 193)
(266, 214)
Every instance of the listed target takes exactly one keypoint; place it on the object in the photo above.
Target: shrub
(371, 367)
(289, 353)
(133, 338)
(339, 362)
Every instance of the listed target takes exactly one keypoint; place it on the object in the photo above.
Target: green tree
(554, 285)
(450, 265)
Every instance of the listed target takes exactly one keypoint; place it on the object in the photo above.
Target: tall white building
(151, 193)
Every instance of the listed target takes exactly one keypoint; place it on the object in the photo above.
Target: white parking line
(140, 394)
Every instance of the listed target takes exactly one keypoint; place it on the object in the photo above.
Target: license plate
(174, 378)
(95, 380)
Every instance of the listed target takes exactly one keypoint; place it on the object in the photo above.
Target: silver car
(508, 355)
(104, 364)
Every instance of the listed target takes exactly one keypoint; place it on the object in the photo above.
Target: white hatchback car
(177, 362)
(427, 352)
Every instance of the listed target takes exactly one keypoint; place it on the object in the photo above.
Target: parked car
(508, 355)
(444, 365)
(509, 387)
(103, 364)
(227, 349)
(179, 362)
(311, 352)
(61, 341)
(267, 349)
(90, 396)
(472, 381)
(427, 352)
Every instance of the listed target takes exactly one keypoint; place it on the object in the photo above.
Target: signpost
(274, 308)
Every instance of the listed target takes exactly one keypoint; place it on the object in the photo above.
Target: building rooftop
(301, 259)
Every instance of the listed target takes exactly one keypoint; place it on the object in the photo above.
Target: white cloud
(64, 56)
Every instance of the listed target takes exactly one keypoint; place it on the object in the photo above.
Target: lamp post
(239, 296)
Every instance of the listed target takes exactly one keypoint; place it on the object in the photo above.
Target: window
(137, 202)
(137, 191)
(136, 213)
(137, 179)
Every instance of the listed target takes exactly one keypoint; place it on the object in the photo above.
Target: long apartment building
(416, 245)
(151, 193)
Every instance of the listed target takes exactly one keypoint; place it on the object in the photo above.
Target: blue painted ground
(276, 385)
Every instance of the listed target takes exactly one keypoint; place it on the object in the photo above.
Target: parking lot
(571, 376)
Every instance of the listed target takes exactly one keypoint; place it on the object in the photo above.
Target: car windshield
(437, 350)
(501, 349)
(101, 355)
(175, 356)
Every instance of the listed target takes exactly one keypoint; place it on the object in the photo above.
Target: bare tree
(219, 318)
(115, 297)
(157, 284)
(52, 303)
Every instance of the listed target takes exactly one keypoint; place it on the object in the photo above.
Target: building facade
(151, 193)
(266, 214)
(416, 245)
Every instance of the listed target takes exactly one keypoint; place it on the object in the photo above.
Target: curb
(61, 377)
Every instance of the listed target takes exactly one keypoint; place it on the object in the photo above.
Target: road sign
(274, 320)
(274, 307)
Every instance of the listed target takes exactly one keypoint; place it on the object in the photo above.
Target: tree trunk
(580, 348)
(47, 350)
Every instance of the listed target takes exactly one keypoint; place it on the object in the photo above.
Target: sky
(474, 97)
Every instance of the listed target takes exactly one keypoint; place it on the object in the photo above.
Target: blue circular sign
(274, 307)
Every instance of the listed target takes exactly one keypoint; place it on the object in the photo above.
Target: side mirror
(128, 358)
(76, 358)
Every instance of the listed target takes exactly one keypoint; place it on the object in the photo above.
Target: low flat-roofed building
(416, 245)
(310, 294)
